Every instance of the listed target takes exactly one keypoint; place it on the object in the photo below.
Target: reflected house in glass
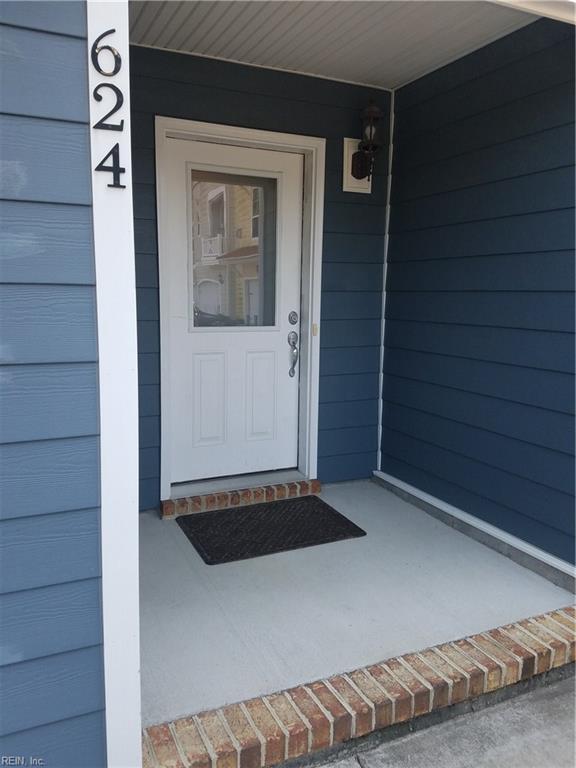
(232, 249)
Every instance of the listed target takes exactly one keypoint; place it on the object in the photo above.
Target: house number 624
(102, 65)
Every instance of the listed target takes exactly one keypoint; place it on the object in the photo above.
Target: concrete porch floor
(212, 635)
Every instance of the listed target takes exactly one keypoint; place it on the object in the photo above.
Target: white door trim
(113, 230)
(314, 150)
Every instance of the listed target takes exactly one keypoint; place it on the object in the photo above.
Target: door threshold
(237, 491)
(233, 482)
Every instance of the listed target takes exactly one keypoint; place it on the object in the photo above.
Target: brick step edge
(271, 729)
(189, 505)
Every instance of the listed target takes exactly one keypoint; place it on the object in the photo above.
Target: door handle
(293, 341)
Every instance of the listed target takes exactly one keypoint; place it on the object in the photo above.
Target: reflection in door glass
(233, 250)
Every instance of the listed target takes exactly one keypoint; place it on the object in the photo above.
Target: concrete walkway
(534, 730)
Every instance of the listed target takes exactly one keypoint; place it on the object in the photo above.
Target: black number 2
(115, 168)
(119, 101)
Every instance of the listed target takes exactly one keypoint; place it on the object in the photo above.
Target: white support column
(118, 375)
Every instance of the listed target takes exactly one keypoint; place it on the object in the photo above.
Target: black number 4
(115, 169)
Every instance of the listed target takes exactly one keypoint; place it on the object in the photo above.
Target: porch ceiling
(382, 43)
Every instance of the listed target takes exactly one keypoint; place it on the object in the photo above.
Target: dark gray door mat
(263, 529)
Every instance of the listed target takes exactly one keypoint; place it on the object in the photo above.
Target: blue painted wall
(51, 680)
(177, 85)
(479, 359)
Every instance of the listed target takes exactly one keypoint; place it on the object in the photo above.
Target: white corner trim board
(481, 525)
(113, 231)
(384, 277)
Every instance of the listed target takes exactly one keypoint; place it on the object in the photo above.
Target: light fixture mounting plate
(349, 183)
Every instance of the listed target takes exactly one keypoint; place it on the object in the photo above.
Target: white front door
(234, 218)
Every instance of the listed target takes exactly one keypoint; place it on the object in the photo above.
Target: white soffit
(561, 10)
(382, 43)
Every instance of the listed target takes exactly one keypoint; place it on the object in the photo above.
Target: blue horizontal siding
(529, 348)
(352, 248)
(148, 369)
(538, 426)
(520, 156)
(334, 361)
(530, 386)
(49, 401)
(149, 492)
(544, 191)
(526, 460)
(144, 198)
(351, 333)
(45, 243)
(351, 305)
(479, 345)
(66, 17)
(36, 688)
(148, 304)
(356, 413)
(68, 743)
(149, 431)
(537, 231)
(50, 620)
(520, 525)
(354, 218)
(39, 551)
(275, 111)
(340, 389)
(254, 82)
(51, 675)
(146, 270)
(218, 92)
(45, 160)
(533, 73)
(149, 461)
(53, 88)
(524, 116)
(149, 400)
(47, 323)
(538, 502)
(348, 277)
(49, 476)
(346, 440)
(335, 469)
(550, 311)
(548, 271)
(494, 57)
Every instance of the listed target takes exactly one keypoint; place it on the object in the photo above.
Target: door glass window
(232, 250)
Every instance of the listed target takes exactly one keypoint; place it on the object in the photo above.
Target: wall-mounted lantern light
(363, 159)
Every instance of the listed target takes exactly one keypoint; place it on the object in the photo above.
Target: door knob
(293, 342)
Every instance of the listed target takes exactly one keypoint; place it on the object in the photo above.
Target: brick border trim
(189, 505)
(270, 729)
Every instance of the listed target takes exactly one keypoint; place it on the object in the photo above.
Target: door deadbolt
(293, 318)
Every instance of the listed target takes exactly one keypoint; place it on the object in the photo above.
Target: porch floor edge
(298, 723)
(551, 568)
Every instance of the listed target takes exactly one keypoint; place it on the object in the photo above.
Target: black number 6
(96, 50)
(119, 101)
